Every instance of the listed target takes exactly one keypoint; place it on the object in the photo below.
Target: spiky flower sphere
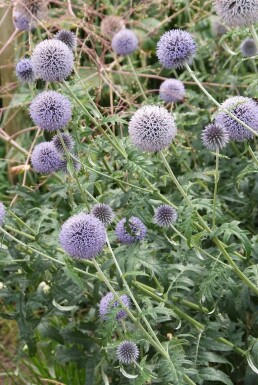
(110, 25)
(68, 141)
(152, 128)
(124, 42)
(218, 29)
(175, 48)
(45, 158)
(129, 231)
(165, 216)
(248, 48)
(2, 214)
(108, 301)
(172, 90)
(245, 109)
(215, 137)
(127, 352)
(52, 60)
(83, 236)
(67, 37)
(237, 13)
(26, 13)
(75, 164)
(24, 71)
(50, 110)
(103, 212)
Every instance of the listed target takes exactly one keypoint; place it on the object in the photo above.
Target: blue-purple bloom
(68, 141)
(175, 48)
(24, 71)
(26, 13)
(127, 352)
(45, 158)
(67, 37)
(172, 90)
(152, 128)
(50, 110)
(103, 212)
(124, 42)
(2, 214)
(165, 216)
(248, 48)
(83, 236)
(52, 60)
(215, 137)
(237, 13)
(129, 231)
(245, 109)
(107, 302)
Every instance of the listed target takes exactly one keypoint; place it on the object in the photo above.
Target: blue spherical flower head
(68, 142)
(22, 21)
(237, 13)
(248, 48)
(245, 109)
(26, 13)
(124, 42)
(67, 37)
(152, 128)
(127, 352)
(2, 214)
(172, 90)
(165, 216)
(24, 71)
(129, 231)
(83, 236)
(50, 110)
(45, 158)
(175, 48)
(107, 302)
(52, 60)
(215, 137)
(103, 212)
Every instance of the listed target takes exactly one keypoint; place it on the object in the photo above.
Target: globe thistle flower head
(110, 25)
(76, 165)
(237, 13)
(124, 42)
(24, 71)
(103, 212)
(248, 48)
(215, 137)
(83, 236)
(172, 90)
(68, 141)
(152, 128)
(45, 158)
(175, 48)
(165, 216)
(130, 231)
(127, 352)
(26, 13)
(218, 29)
(107, 302)
(22, 21)
(50, 110)
(2, 214)
(245, 109)
(52, 60)
(68, 38)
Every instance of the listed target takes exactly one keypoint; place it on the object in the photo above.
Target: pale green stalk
(216, 180)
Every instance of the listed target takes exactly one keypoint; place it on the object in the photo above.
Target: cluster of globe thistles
(237, 13)
(127, 352)
(172, 90)
(215, 137)
(108, 304)
(2, 213)
(24, 71)
(131, 230)
(152, 128)
(248, 47)
(103, 212)
(124, 42)
(165, 216)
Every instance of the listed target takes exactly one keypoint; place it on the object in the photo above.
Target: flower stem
(136, 77)
(216, 180)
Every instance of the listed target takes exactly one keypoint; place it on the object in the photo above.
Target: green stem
(216, 180)
(252, 155)
(20, 232)
(136, 77)
(21, 222)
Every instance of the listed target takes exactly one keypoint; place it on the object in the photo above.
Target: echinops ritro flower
(152, 128)
(175, 48)
(124, 42)
(245, 109)
(24, 71)
(237, 13)
(50, 110)
(45, 158)
(68, 142)
(165, 216)
(27, 13)
(2, 213)
(215, 137)
(52, 60)
(131, 230)
(67, 37)
(83, 236)
(127, 352)
(103, 212)
(172, 90)
(248, 48)
(108, 303)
